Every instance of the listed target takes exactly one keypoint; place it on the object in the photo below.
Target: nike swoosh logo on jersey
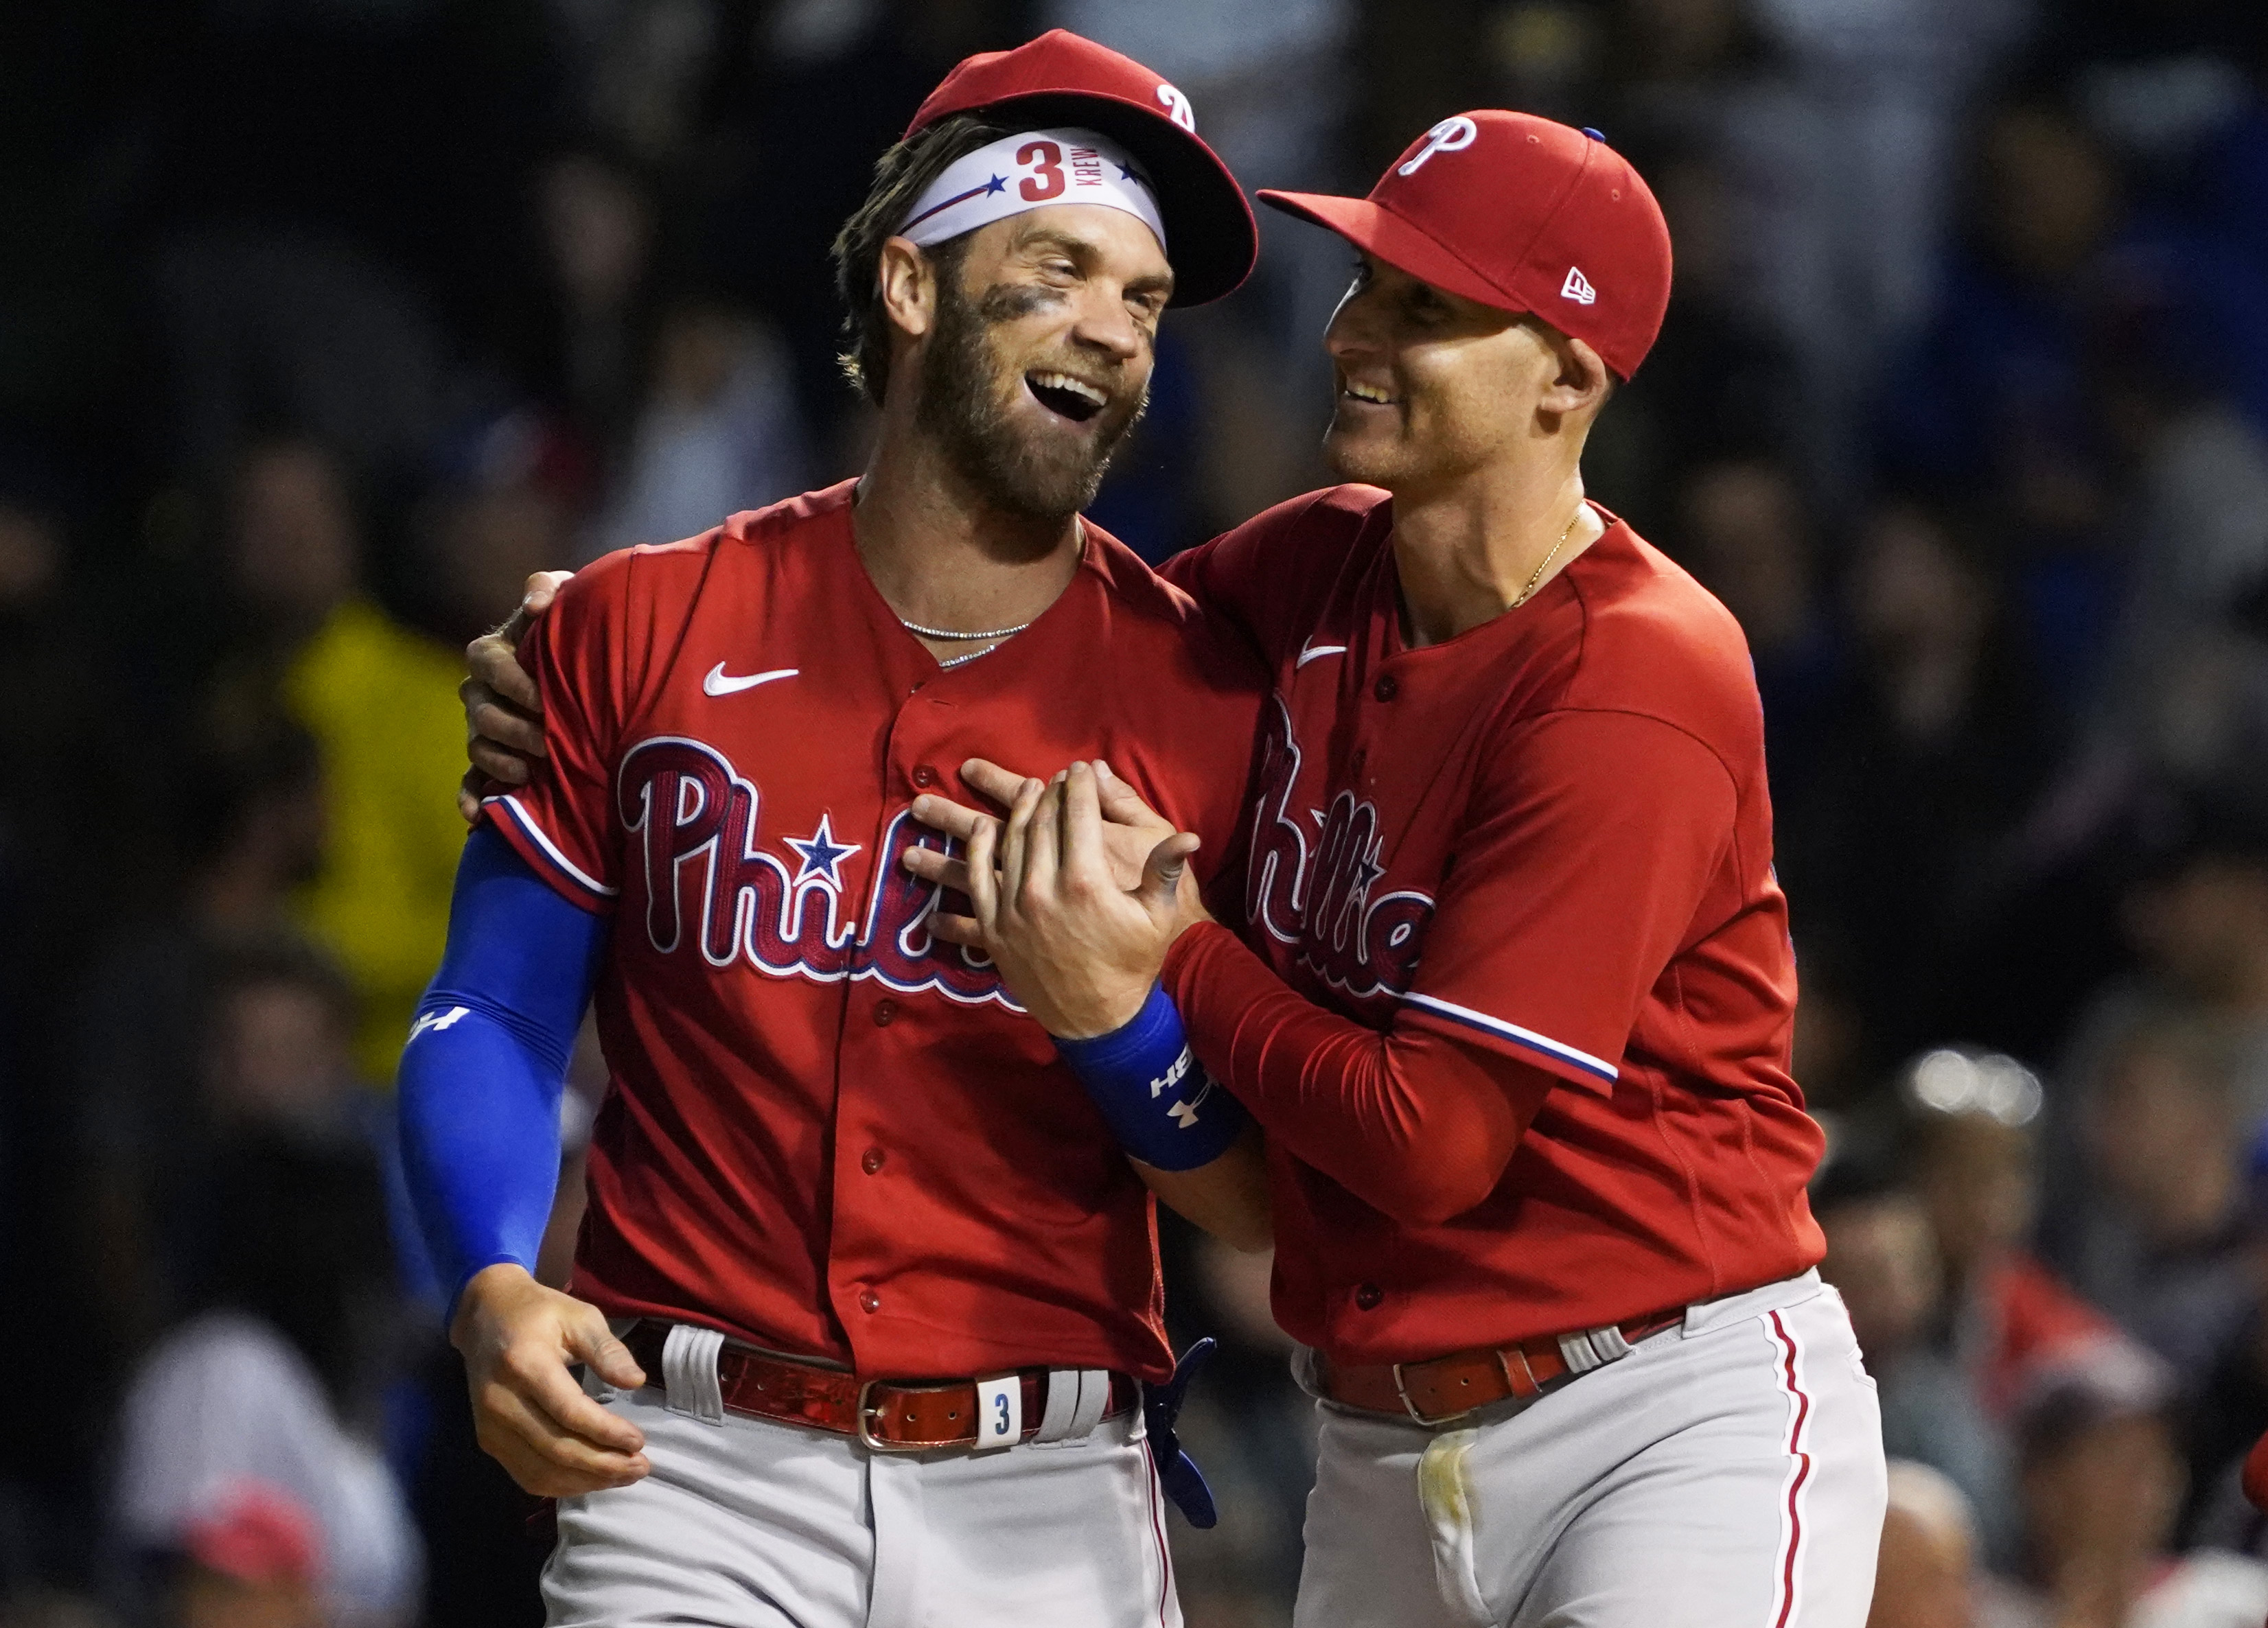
(717, 684)
(1309, 652)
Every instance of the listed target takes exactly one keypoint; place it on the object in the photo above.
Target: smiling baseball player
(1515, 990)
(1515, 994)
(882, 1283)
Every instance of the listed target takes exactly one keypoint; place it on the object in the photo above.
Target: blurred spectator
(598, 222)
(251, 829)
(717, 434)
(1833, 1054)
(277, 1379)
(2164, 1250)
(1883, 1257)
(507, 487)
(381, 702)
(2184, 696)
(1745, 531)
(2156, 85)
(256, 1562)
(298, 324)
(2194, 911)
(1936, 747)
(2228, 1409)
(2230, 191)
(2101, 1483)
(1720, 383)
(1991, 400)
(1925, 1576)
(2007, 1315)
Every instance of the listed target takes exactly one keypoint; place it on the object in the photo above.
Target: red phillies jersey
(1537, 856)
(826, 1133)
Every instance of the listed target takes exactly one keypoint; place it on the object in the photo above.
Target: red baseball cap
(2253, 1477)
(256, 1533)
(1061, 78)
(1522, 213)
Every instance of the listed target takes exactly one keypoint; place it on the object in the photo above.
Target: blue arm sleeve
(487, 1059)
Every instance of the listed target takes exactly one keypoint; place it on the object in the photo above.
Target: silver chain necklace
(948, 634)
(946, 664)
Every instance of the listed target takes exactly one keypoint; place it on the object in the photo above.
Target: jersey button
(1386, 689)
(869, 1301)
(884, 1011)
(1368, 1296)
(924, 775)
(870, 1160)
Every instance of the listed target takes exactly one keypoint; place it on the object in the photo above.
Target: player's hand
(518, 1338)
(503, 716)
(1075, 945)
(1130, 826)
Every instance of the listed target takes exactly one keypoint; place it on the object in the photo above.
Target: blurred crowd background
(324, 321)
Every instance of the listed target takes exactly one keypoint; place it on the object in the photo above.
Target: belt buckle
(866, 1436)
(1411, 1408)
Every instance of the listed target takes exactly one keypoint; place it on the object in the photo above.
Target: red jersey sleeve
(1417, 1125)
(561, 821)
(1591, 839)
(1571, 891)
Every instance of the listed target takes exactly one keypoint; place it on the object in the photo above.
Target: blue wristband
(1165, 1110)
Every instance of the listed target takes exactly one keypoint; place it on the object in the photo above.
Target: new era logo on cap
(1578, 288)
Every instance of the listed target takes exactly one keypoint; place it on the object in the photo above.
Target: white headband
(1031, 171)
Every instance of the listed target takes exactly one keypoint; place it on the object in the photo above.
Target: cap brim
(1370, 226)
(1211, 237)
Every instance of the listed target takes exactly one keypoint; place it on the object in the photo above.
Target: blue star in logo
(1367, 870)
(1127, 172)
(998, 183)
(822, 856)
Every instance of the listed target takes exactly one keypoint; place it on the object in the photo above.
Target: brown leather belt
(1441, 1389)
(888, 1415)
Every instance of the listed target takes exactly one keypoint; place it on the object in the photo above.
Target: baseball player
(866, 1284)
(1514, 992)
(1514, 997)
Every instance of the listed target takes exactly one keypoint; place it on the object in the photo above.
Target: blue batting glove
(1177, 1472)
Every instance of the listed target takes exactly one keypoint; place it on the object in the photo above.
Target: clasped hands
(1076, 894)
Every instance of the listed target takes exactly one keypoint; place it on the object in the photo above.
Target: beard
(963, 401)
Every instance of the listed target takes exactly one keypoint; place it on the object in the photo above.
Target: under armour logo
(1450, 136)
(1578, 288)
(1185, 1114)
(1178, 108)
(437, 1020)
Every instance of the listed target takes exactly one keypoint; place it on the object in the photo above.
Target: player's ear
(908, 281)
(1580, 382)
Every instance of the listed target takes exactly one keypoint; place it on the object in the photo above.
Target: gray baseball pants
(746, 1523)
(1728, 1473)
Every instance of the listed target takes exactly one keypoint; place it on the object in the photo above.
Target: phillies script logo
(706, 880)
(1321, 902)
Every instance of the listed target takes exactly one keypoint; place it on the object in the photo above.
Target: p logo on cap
(1450, 136)
(1533, 216)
